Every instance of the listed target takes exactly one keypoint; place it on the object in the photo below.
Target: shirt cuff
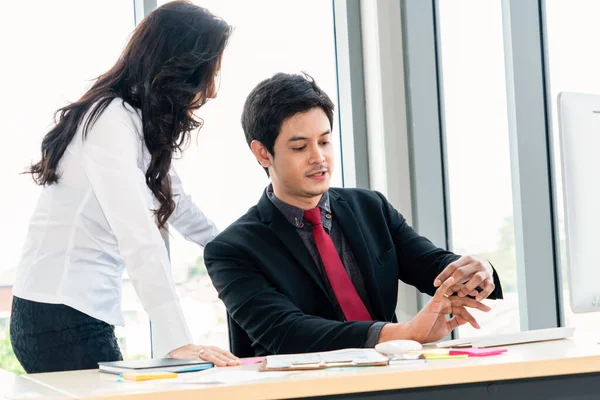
(169, 329)
(497, 293)
(373, 334)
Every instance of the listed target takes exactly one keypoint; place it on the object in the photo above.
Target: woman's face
(211, 90)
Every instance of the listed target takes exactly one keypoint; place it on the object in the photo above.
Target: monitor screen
(579, 127)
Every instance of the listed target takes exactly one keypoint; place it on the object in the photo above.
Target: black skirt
(54, 337)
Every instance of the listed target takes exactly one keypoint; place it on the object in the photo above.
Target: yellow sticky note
(146, 376)
(434, 352)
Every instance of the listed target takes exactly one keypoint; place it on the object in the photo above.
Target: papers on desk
(536, 335)
(226, 375)
(408, 358)
(337, 358)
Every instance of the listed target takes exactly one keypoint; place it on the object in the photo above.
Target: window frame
(529, 116)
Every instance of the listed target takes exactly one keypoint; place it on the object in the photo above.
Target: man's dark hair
(276, 99)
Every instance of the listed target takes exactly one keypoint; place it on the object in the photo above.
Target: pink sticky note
(249, 361)
(477, 352)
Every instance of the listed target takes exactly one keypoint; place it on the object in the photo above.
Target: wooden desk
(560, 369)
(13, 387)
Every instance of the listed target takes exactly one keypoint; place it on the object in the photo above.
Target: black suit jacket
(274, 292)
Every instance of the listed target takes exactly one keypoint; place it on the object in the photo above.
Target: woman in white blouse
(108, 185)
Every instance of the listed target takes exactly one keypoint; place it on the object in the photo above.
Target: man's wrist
(396, 331)
(374, 333)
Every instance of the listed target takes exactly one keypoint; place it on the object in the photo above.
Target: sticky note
(250, 361)
(147, 376)
(477, 352)
(434, 352)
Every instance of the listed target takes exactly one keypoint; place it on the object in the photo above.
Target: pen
(146, 376)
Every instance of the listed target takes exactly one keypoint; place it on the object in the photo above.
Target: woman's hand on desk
(215, 355)
(430, 324)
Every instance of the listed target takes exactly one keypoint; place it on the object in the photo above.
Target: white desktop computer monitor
(579, 128)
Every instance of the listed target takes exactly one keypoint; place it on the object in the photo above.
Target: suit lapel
(290, 238)
(346, 219)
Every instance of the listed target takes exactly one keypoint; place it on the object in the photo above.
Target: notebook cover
(155, 363)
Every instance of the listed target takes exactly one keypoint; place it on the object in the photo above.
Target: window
(573, 65)
(477, 148)
(218, 169)
(49, 59)
(56, 67)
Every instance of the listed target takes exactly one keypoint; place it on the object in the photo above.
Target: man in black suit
(312, 268)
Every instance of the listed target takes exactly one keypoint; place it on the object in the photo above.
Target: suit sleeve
(419, 260)
(268, 316)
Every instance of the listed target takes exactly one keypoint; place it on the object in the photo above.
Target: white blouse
(97, 220)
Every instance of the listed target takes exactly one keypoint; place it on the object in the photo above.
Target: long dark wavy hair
(167, 70)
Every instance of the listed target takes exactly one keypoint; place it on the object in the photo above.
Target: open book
(337, 358)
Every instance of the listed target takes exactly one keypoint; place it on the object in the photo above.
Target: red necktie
(345, 292)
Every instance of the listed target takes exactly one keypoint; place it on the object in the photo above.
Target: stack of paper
(347, 357)
(227, 376)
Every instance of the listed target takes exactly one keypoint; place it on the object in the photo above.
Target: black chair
(239, 342)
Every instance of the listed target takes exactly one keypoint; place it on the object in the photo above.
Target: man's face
(304, 160)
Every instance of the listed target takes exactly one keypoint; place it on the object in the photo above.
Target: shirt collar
(294, 214)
